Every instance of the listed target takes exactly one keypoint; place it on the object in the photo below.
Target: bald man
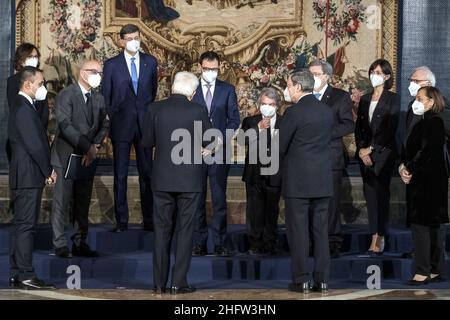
(82, 126)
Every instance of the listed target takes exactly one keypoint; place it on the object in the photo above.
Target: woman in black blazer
(27, 54)
(424, 171)
(375, 130)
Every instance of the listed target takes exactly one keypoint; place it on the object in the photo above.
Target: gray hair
(304, 78)
(326, 67)
(270, 93)
(430, 75)
(185, 83)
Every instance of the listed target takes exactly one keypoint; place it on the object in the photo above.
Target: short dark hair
(28, 74)
(22, 53)
(128, 29)
(387, 70)
(435, 94)
(210, 56)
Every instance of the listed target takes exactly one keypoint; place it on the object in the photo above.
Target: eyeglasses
(210, 69)
(93, 71)
(318, 74)
(416, 80)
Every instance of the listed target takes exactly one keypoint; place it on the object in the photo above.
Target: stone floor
(231, 295)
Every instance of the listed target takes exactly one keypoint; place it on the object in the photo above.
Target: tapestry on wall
(261, 41)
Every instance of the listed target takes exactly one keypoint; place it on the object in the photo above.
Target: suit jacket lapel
(217, 92)
(327, 95)
(199, 96)
(142, 70)
(379, 107)
(81, 103)
(124, 70)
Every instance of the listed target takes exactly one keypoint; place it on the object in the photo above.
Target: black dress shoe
(159, 290)
(221, 251)
(83, 251)
(416, 283)
(199, 251)
(437, 279)
(121, 227)
(255, 251)
(321, 287)
(14, 281)
(35, 284)
(182, 290)
(271, 249)
(300, 287)
(62, 252)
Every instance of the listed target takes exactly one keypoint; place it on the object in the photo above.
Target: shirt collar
(204, 83)
(308, 94)
(83, 90)
(129, 56)
(322, 92)
(27, 97)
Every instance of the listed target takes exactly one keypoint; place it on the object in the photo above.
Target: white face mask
(287, 95)
(418, 108)
(414, 88)
(94, 80)
(267, 110)
(133, 45)
(209, 76)
(31, 62)
(376, 80)
(41, 94)
(317, 83)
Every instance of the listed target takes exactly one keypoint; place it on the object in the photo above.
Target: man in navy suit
(220, 100)
(129, 87)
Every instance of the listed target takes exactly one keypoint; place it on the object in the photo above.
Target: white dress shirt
(373, 106)
(273, 120)
(136, 61)
(205, 87)
(322, 92)
(84, 91)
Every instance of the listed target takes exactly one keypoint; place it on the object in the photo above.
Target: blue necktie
(209, 98)
(134, 75)
(317, 95)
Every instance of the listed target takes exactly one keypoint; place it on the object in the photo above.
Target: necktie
(88, 97)
(209, 98)
(88, 100)
(317, 95)
(134, 75)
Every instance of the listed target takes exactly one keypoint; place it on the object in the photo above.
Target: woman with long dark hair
(375, 130)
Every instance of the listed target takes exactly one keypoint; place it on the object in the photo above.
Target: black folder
(76, 171)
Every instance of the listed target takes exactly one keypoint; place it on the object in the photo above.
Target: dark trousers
(174, 214)
(334, 213)
(377, 194)
(262, 214)
(217, 174)
(71, 200)
(429, 250)
(297, 227)
(27, 204)
(121, 152)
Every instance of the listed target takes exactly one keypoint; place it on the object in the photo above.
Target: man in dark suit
(129, 86)
(29, 171)
(341, 105)
(263, 190)
(220, 99)
(82, 126)
(305, 142)
(177, 182)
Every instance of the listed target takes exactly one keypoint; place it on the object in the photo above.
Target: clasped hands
(91, 155)
(364, 154)
(404, 174)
